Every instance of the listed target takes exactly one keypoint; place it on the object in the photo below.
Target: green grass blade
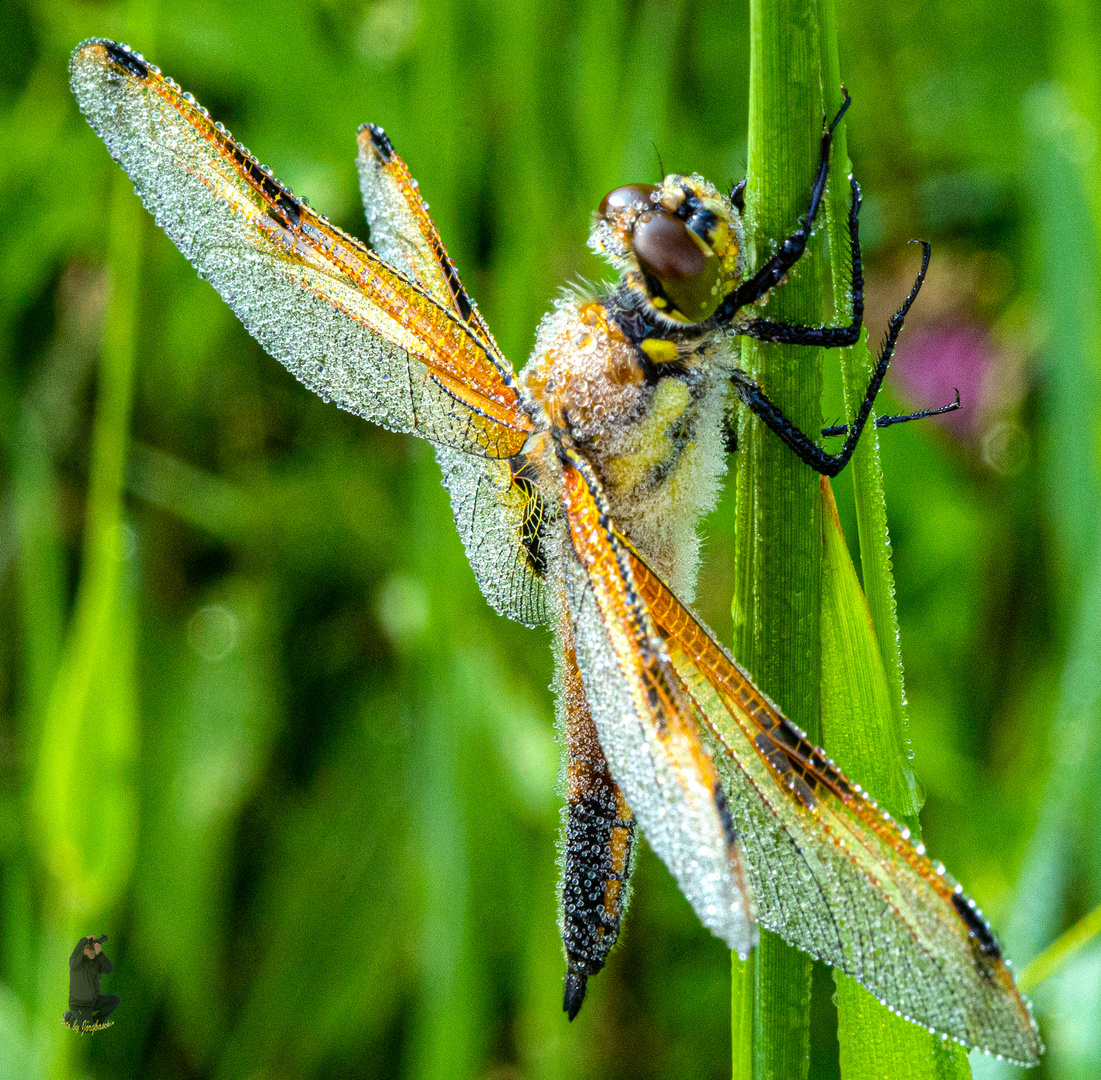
(1062, 950)
(862, 736)
(863, 706)
(93, 691)
(741, 1017)
(776, 607)
(856, 713)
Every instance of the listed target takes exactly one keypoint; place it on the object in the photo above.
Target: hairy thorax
(656, 441)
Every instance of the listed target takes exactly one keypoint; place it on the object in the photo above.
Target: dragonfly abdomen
(599, 832)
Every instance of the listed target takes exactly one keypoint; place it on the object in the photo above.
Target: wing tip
(373, 139)
(1012, 1037)
(101, 50)
(1024, 1050)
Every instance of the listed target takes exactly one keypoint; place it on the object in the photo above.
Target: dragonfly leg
(791, 250)
(803, 445)
(829, 337)
(890, 421)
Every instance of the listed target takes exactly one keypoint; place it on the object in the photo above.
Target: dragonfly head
(678, 244)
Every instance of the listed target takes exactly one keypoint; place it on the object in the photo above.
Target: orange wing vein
(830, 871)
(341, 319)
(644, 718)
(403, 232)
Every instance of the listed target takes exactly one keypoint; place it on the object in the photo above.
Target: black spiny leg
(889, 421)
(829, 337)
(775, 269)
(807, 449)
(730, 432)
(737, 196)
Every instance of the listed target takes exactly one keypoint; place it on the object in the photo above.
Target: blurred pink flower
(935, 361)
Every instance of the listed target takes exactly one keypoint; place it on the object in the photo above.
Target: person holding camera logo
(88, 1008)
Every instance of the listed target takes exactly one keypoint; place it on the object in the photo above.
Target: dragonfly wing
(831, 872)
(644, 721)
(501, 520)
(403, 232)
(340, 318)
(497, 515)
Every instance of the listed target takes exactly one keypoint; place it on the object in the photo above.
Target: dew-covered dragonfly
(576, 488)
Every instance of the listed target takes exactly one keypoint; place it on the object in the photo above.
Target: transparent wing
(340, 318)
(644, 719)
(498, 514)
(832, 873)
(501, 518)
(403, 232)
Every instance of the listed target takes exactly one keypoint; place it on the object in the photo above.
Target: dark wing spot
(127, 60)
(535, 515)
(727, 819)
(290, 206)
(977, 925)
(381, 142)
(531, 534)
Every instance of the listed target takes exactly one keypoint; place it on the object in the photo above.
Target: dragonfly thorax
(585, 373)
(654, 439)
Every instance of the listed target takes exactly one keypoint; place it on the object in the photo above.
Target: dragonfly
(576, 487)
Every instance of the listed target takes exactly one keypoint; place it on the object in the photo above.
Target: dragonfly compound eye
(688, 271)
(637, 196)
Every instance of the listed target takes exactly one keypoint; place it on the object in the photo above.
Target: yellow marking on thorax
(627, 471)
(660, 351)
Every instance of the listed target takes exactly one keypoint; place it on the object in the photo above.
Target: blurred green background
(256, 722)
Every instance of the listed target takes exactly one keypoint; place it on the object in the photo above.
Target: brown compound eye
(666, 247)
(687, 269)
(639, 196)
